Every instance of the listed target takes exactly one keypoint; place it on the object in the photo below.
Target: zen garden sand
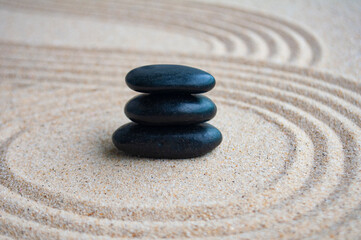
(288, 95)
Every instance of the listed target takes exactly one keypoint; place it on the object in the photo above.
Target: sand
(289, 107)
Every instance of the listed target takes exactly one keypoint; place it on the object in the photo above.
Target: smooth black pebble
(170, 109)
(165, 78)
(167, 142)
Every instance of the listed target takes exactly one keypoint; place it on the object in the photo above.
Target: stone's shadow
(110, 152)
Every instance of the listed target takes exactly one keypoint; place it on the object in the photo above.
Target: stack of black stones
(168, 121)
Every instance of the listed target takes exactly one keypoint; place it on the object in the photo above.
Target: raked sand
(289, 107)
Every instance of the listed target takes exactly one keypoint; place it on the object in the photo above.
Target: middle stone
(170, 109)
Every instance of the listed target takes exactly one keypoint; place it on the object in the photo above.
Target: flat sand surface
(289, 106)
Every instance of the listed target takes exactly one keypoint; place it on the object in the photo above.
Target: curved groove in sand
(35, 192)
(325, 109)
(231, 29)
(300, 140)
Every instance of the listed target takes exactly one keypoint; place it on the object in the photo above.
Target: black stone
(167, 142)
(170, 109)
(164, 78)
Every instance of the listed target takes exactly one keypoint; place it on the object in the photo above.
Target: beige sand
(289, 165)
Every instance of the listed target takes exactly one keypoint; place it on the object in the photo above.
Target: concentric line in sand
(317, 192)
(230, 31)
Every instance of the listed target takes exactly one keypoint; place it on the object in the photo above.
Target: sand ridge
(231, 32)
(288, 168)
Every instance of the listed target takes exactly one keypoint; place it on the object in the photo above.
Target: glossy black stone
(164, 78)
(170, 109)
(167, 142)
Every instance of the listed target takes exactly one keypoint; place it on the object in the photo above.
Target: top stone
(164, 78)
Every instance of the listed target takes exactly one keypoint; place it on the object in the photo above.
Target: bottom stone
(167, 142)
